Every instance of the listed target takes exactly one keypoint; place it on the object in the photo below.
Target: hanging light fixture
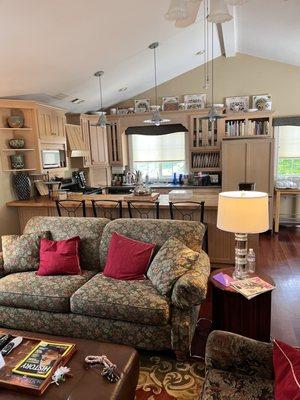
(178, 10)
(102, 117)
(213, 113)
(156, 117)
(219, 12)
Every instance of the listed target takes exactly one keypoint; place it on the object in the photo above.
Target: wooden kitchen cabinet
(248, 160)
(99, 146)
(85, 131)
(51, 122)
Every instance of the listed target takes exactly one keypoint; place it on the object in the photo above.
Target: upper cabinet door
(58, 123)
(44, 116)
(85, 131)
(99, 150)
(260, 164)
(51, 122)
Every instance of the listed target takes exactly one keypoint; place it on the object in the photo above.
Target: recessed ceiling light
(200, 52)
(123, 89)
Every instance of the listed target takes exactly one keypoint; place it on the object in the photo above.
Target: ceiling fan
(184, 12)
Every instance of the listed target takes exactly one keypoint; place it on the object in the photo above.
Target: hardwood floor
(279, 257)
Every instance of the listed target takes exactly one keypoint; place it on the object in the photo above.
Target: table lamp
(242, 212)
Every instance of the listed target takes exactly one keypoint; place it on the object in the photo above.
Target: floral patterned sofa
(237, 368)
(93, 306)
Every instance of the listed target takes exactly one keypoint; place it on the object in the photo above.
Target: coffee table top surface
(85, 383)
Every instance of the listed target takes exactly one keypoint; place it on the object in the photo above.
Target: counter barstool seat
(104, 208)
(185, 210)
(70, 207)
(143, 209)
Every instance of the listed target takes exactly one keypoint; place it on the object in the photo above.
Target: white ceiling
(50, 47)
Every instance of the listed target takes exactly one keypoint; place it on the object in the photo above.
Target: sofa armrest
(230, 352)
(190, 289)
(2, 273)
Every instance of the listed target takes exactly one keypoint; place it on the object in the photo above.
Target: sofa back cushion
(153, 231)
(88, 229)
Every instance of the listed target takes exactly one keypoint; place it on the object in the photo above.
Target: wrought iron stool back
(143, 209)
(104, 208)
(70, 207)
(185, 210)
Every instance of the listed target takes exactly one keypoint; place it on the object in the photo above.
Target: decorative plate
(262, 102)
(237, 104)
(170, 103)
(195, 101)
(142, 105)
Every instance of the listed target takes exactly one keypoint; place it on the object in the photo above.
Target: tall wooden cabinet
(99, 149)
(248, 160)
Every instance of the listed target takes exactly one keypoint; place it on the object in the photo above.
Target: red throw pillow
(127, 259)
(59, 257)
(286, 360)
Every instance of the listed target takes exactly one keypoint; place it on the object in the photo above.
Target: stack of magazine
(41, 360)
(251, 287)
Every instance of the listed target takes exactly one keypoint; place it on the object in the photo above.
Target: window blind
(289, 142)
(169, 147)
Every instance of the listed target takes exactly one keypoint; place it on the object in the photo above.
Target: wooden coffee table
(232, 312)
(87, 383)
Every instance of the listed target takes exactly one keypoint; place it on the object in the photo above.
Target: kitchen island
(220, 243)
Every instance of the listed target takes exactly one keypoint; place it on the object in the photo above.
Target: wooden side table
(232, 312)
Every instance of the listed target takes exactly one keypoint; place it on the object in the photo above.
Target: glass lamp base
(240, 269)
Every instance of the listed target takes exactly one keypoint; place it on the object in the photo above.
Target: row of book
(252, 128)
(206, 160)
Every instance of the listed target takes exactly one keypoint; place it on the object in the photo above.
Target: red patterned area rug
(163, 378)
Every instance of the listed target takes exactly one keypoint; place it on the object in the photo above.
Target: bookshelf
(28, 132)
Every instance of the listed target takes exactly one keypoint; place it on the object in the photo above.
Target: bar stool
(70, 207)
(187, 214)
(104, 208)
(143, 209)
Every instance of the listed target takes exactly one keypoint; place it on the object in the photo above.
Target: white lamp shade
(243, 212)
(178, 10)
(218, 12)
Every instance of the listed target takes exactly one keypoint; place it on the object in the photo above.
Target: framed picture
(237, 104)
(262, 102)
(142, 105)
(195, 101)
(170, 103)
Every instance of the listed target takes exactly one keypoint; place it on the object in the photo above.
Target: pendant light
(177, 11)
(102, 117)
(218, 12)
(213, 113)
(156, 117)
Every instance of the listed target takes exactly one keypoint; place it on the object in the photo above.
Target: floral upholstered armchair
(237, 368)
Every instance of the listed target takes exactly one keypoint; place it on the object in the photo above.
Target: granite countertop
(211, 200)
(166, 186)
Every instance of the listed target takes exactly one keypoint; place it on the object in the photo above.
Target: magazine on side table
(251, 287)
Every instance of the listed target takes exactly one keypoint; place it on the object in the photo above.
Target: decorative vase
(22, 185)
(17, 161)
(16, 143)
(15, 121)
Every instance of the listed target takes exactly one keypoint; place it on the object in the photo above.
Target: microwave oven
(51, 159)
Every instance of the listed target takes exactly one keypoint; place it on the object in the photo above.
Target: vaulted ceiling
(50, 49)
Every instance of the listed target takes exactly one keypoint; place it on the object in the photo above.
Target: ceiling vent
(61, 96)
(77, 101)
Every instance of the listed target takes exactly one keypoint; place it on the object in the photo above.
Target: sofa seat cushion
(224, 385)
(133, 301)
(45, 293)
